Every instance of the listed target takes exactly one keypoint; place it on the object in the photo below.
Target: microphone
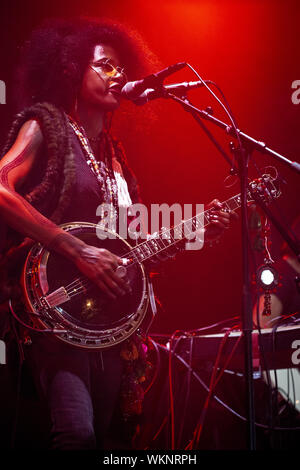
(133, 90)
(162, 92)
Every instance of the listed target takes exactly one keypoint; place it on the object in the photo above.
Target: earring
(76, 105)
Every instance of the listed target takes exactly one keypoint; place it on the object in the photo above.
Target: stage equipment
(272, 348)
(267, 277)
(242, 153)
(175, 402)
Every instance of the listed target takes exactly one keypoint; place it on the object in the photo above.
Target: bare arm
(14, 168)
(97, 264)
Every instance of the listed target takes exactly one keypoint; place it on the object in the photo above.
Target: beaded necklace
(101, 171)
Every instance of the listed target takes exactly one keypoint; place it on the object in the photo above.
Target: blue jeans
(81, 389)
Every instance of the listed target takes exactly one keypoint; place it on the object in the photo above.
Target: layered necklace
(101, 170)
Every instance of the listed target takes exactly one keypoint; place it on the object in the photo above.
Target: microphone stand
(244, 153)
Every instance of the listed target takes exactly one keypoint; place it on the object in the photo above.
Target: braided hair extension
(60, 169)
(129, 175)
(112, 146)
(52, 195)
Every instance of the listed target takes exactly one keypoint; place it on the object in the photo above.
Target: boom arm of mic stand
(254, 145)
(211, 137)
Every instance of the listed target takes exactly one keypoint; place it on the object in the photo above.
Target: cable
(197, 330)
(164, 422)
(293, 385)
(260, 342)
(157, 367)
(231, 117)
(223, 96)
(240, 148)
(37, 330)
(196, 437)
(215, 397)
(228, 112)
(243, 418)
(213, 382)
(275, 389)
(187, 392)
(263, 357)
(172, 411)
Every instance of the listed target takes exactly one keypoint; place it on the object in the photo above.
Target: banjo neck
(264, 188)
(167, 238)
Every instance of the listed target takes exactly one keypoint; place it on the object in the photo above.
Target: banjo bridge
(57, 297)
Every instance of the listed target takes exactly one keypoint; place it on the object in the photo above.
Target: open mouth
(115, 90)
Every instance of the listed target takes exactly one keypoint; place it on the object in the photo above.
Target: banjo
(59, 298)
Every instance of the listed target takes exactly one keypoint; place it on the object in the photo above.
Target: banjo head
(64, 299)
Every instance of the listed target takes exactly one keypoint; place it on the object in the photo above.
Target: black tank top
(87, 193)
(86, 190)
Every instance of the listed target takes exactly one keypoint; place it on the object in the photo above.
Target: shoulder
(30, 132)
(20, 158)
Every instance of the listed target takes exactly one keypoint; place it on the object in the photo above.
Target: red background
(250, 49)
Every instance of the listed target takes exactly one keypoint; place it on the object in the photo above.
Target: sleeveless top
(87, 194)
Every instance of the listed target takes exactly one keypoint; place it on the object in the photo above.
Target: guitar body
(57, 296)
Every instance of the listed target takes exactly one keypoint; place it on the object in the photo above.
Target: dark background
(250, 49)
